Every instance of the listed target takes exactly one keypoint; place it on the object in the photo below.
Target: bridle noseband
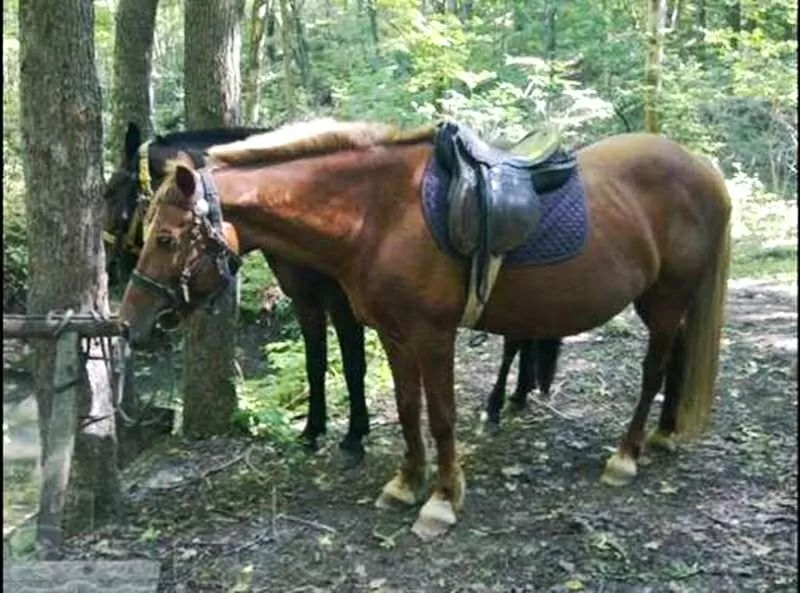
(206, 228)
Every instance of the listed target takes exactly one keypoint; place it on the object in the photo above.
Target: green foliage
(268, 403)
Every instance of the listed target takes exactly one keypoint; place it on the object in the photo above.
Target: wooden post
(57, 460)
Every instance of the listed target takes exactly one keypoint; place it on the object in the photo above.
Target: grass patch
(751, 259)
(256, 277)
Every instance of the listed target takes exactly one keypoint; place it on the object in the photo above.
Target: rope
(68, 315)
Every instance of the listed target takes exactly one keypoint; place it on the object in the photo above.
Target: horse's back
(658, 167)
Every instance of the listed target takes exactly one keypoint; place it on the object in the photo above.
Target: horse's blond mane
(316, 137)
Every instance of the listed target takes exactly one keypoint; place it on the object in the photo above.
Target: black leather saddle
(493, 203)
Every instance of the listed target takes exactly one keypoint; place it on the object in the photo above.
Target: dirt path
(720, 516)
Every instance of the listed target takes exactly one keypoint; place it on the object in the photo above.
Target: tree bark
(132, 94)
(286, 43)
(301, 44)
(372, 12)
(62, 148)
(656, 21)
(212, 57)
(272, 54)
(212, 86)
(252, 77)
(734, 18)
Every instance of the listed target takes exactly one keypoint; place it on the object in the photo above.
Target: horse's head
(123, 207)
(185, 261)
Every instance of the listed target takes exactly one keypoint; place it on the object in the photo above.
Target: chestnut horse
(345, 199)
(314, 296)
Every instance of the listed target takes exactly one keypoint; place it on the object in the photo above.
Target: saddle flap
(513, 208)
(463, 199)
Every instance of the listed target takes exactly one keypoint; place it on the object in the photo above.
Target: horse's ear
(133, 139)
(185, 181)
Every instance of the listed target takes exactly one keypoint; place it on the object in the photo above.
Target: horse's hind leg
(526, 378)
(662, 318)
(497, 397)
(351, 342)
(662, 437)
(547, 352)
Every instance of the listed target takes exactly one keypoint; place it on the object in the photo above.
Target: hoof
(308, 441)
(620, 470)
(351, 455)
(660, 441)
(492, 426)
(517, 405)
(435, 518)
(397, 493)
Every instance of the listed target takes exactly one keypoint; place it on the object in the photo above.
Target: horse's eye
(166, 241)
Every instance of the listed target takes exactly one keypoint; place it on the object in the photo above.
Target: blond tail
(703, 332)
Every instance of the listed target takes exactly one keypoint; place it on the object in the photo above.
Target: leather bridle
(205, 233)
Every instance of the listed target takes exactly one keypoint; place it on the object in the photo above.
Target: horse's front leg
(313, 325)
(409, 486)
(435, 354)
(351, 342)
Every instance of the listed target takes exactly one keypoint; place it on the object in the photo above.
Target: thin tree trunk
(734, 18)
(132, 94)
(466, 10)
(551, 46)
(212, 83)
(62, 147)
(272, 53)
(656, 20)
(372, 12)
(301, 44)
(252, 78)
(286, 43)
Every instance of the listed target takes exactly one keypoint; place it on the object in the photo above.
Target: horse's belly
(552, 301)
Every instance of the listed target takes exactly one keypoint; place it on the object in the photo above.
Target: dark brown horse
(345, 199)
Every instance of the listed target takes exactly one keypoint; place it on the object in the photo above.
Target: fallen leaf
(667, 488)
(653, 545)
(574, 585)
(512, 471)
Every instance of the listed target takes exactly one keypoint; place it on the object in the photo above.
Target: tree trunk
(62, 147)
(272, 54)
(252, 78)
(372, 12)
(466, 10)
(656, 21)
(734, 18)
(551, 38)
(212, 56)
(211, 80)
(301, 45)
(286, 46)
(131, 95)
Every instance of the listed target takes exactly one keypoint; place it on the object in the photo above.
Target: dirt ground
(719, 516)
